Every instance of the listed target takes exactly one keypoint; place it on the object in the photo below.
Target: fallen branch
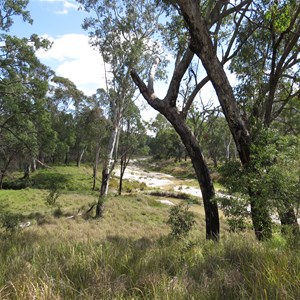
(73, 217)
(44, 165)
(24, 225)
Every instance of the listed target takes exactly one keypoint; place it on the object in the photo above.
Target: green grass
(39, 265)
(129, 254)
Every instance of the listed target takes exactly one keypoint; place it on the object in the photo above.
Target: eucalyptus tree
(65, 102)
(271, 89)
(23, 87)
(11, 8)
(132, 139)
(92, 133)
(121, 31)
(212, 30)
(209, 16)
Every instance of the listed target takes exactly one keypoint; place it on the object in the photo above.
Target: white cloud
(66, 5)
(73, 58)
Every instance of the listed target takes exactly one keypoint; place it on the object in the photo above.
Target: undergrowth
(36, 266)
(130, 254)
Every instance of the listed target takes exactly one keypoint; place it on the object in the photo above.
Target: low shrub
(181, 220)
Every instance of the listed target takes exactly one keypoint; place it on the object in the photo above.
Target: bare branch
(178, 74)
(216, 12)
(191, 98)
(287, 50)
(233, 37)
(152, 75)
(147, 94)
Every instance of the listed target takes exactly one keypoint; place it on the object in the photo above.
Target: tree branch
(234, 36)
(216, 14)
(178, 74)
(150, 97)
(191, 98)
(152, 75)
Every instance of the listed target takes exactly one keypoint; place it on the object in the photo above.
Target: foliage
(9, 9)
(9, 221)
(235, 208)
(52, 197)
(273, 176)
(181, 220)
(166, 143)
(24, 120)
(266, 91)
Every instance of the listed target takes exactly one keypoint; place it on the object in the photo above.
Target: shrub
(17, 184)
(52, 197)
(181, 220)
(10, 222)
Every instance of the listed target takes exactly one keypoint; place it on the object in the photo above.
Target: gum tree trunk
(95, 167)
(202, 46)
(167, 108)
(108, 166)
(202, 173)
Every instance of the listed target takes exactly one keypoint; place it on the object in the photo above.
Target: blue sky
(52, 17)
(71, 56)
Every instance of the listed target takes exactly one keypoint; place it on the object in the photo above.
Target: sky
(71, 55)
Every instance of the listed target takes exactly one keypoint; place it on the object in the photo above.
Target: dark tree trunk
(288, 219)
(67, 158)
(121, 183)
(124, 163)
(168, 109)
(103, 193)
(95, 171)
(100, 207)
(2, 174)
(202, 46)
(4, 170)
(27, 169)
(122, 171)
(201, 170)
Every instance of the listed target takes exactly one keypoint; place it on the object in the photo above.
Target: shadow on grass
(50, 180)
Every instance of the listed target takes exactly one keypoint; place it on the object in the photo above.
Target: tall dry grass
(129, 255)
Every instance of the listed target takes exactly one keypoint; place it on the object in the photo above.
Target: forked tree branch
(178, 74)
(150, 96)
(191, 98)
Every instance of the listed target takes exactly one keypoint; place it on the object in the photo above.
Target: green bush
(52, 197)
(17, 184)
(10, 222)
(181, 220)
